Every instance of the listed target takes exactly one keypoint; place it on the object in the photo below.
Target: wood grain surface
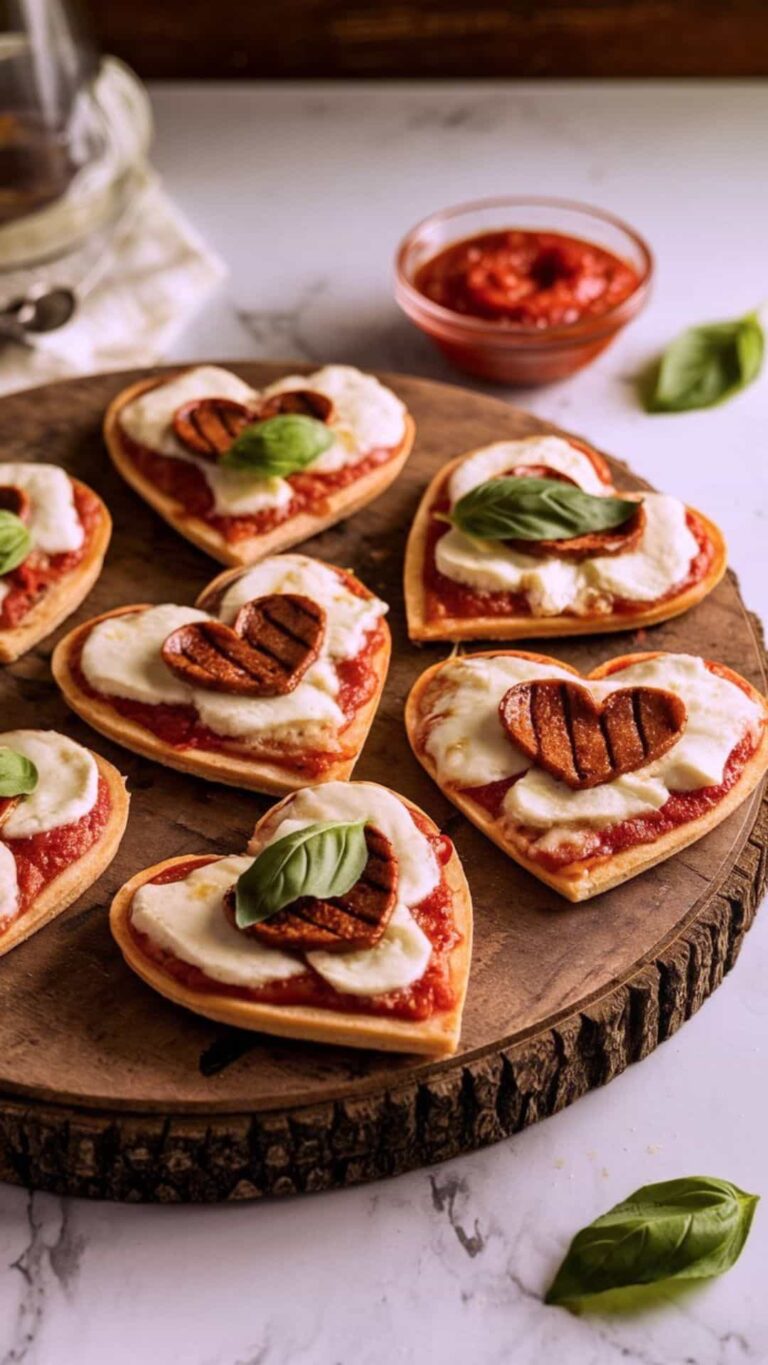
(437, 38)
(108, 1090)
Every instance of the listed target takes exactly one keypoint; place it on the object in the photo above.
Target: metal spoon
(42, 309)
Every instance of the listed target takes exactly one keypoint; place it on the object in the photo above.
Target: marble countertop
(305, 191)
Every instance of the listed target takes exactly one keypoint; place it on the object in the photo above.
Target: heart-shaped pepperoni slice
(343, 923)
(266, 654)
(306, 402)
(208, 426)
(592, 543)
(16, 500)
(583, 742)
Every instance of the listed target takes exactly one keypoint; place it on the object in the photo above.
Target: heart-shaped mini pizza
(270, 683)
(586, 781)
(348, 921)
(528, 538)
(54, 533)
(243, 473)
(63, 811)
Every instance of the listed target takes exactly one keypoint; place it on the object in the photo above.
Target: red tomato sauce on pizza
(431, 994)
(42, 857)
(641, 829)
(527, 279)
(187, 485)
(447, 598)
(39, 571)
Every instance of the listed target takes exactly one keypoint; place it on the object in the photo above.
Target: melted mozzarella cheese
(661, 560)
(121, 656)
(465, 738)
(419, 873)
(67, 788)
(552, 451)
(187, 919)
(349, 618)
(399, 958)
(367, 416)
(463, 733)
(9, 887)
(53, 522)
(148, 421)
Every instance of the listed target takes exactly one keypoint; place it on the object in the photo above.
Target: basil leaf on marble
(15, 541)
(278, 446)
(536, 509)
(685, 1229)
(322, 860)
(707, 365)
(18, 774)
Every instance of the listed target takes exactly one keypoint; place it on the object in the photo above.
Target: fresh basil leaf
(279, 445)
(15, 541)
(325, 859)
(706, 365)
(684, 1229)
(18, 774)
(536, 509)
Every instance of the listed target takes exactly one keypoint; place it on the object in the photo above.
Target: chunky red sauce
(527, 279)
(187, 485)
(431, 994)
(181, 727)
(30, 580)
(444, 597)
(41, 857)
(642, 829)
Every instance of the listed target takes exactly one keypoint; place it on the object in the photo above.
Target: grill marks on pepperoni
(208, 426)
(305, 402)
(561, 728)
(266, 654)
(14, 499)
(342, 923)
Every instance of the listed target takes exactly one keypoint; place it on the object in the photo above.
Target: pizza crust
(83, 872)
(62, 597)
(243, 553)
(529, 627)
(435, 1037)
(579, 881)
(250, 774)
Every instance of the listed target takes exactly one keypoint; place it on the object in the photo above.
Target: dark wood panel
(371, 38)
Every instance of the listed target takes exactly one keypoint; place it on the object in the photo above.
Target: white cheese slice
(367, 415)
(187, 919)
(148, 422)
(661, 560)
(463, 733)
(399, 958)
(67, 788)
(553, 451)
(465, 738)
(9, 887)
(349, 618)
(53, 522)
(121, 656)
(419, 872)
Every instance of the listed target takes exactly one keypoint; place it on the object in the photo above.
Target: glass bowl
(508, 352)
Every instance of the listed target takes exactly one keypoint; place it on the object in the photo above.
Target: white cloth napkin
(155, 274)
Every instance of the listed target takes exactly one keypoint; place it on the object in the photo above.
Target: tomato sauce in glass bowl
(522, 291)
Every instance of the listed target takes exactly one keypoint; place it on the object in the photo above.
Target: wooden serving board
(110, 1091)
